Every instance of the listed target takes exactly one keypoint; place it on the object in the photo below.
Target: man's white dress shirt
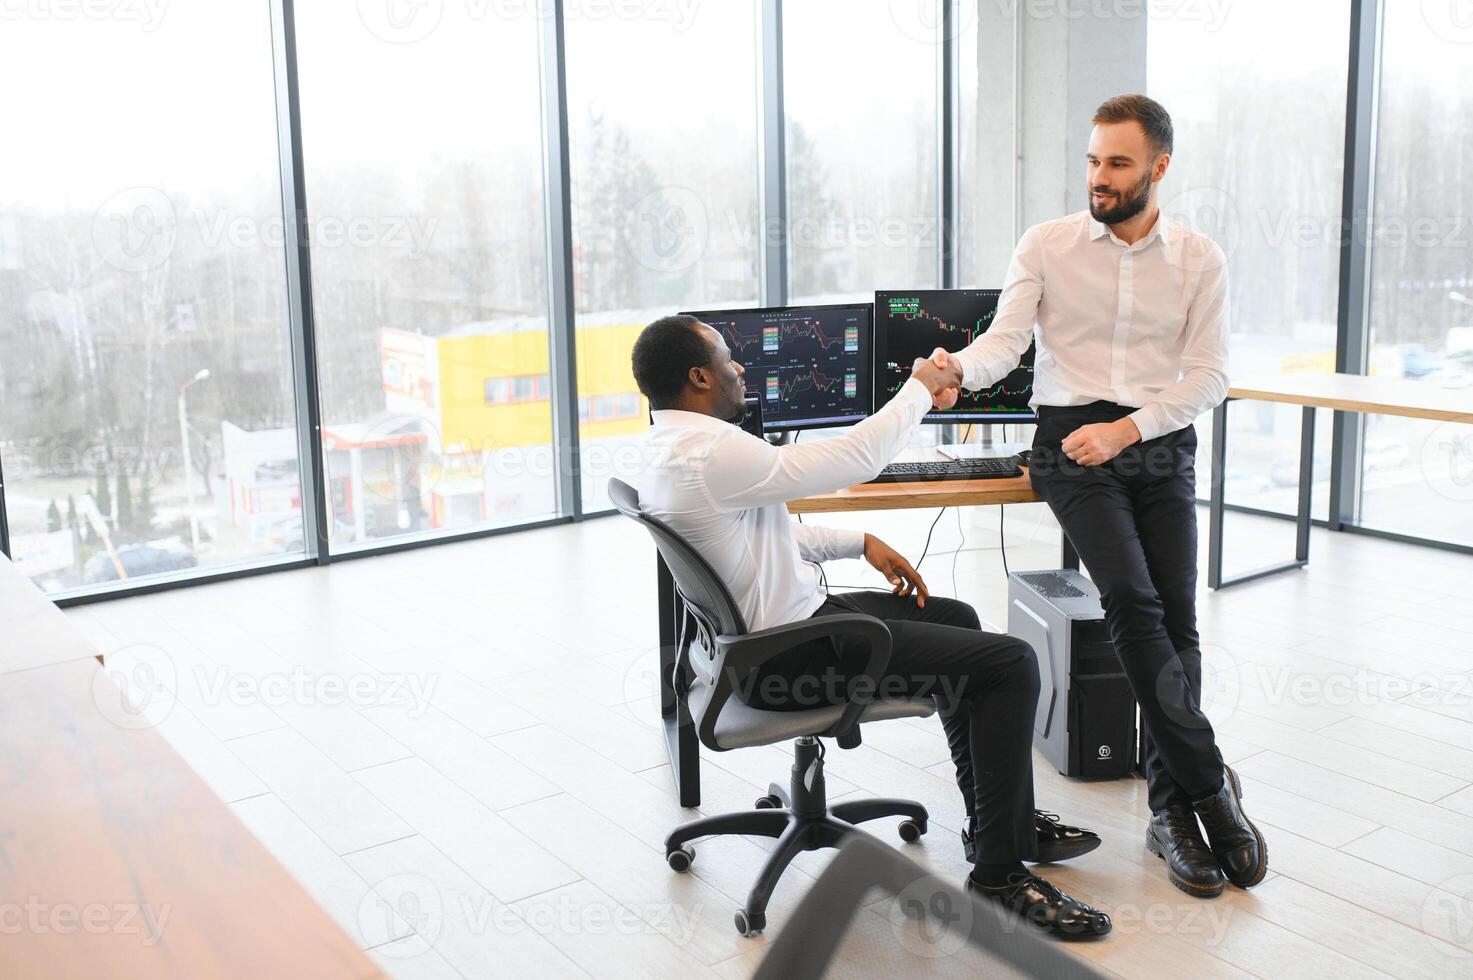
(726, 492)
(1142, 325)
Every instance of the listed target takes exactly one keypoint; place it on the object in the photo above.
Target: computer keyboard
(949, 469)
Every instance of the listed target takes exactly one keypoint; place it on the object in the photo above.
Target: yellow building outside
(487, 388)
(495, 389)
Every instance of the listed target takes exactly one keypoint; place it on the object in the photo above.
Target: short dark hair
(1152, 116)
(663, 356)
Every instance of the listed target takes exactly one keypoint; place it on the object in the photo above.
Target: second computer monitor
(912, 323)
(809, 364)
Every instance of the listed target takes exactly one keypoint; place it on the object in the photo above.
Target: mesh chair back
(706, 596)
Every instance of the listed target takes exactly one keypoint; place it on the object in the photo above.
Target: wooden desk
(1361, 393)
(36, 633)
(904, 496)
(680, 732)
(115, 859)
(1341, 392)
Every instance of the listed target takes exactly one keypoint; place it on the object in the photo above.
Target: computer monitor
(912, 323)
(810, 365)
(750, 420)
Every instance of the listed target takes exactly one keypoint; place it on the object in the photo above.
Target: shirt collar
(1098, 229)
(674, 418)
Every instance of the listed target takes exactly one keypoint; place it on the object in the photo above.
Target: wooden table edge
(903, 496)
(1370, 406)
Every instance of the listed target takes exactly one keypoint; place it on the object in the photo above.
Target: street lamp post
(201, 375)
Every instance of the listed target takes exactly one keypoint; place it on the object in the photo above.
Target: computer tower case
(1085, 721)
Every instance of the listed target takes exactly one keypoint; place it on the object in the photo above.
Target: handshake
(941, 373)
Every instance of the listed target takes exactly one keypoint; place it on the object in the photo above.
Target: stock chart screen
(810, 365)
(913, 323)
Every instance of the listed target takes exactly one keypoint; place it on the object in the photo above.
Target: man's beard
(1131, 204)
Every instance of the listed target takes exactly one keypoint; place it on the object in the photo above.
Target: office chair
(716, 653)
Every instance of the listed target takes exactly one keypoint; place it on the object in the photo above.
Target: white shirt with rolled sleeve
(1142, 325)
(726, 493)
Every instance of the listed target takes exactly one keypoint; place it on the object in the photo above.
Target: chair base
(800, 819)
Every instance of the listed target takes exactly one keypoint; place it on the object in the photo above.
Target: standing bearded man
(1130, 310)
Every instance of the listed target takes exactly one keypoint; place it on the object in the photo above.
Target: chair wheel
(911, 830)
(750, 925)
(680, 859)
(768, 803)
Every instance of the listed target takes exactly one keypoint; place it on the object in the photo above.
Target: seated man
(726, 491)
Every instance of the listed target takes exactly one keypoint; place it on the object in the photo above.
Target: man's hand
(897, 571)
(941, 373)
(1097, 444)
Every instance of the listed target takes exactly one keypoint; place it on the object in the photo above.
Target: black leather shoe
(1044, 906)
(1238, 846)
(1056, 841)
(1173, 836)
(1059, 841)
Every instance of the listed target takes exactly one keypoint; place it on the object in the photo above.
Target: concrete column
(1066, 56)
(1076, 54)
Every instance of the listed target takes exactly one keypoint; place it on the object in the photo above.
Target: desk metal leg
(680, 731)
(1215, 501)
(1216, 507)
(1306, 486)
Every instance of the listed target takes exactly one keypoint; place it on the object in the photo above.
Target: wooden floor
(455, 750)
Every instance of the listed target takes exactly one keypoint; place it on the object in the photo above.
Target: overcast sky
(178, 93)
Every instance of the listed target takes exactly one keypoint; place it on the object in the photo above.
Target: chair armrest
(736, 655)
